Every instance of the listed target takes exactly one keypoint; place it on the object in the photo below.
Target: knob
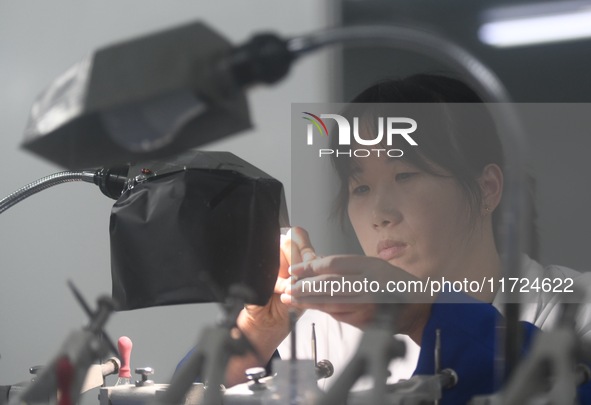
(324, 369)
(35, 370)
(144, 372)
(255, 374)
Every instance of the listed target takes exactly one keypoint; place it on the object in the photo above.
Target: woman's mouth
(390, 249)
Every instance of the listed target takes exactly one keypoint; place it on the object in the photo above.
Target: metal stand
(67, 371)
(211, 355)
(374, 353)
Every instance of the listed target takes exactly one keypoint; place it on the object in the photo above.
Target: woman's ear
(491, 184)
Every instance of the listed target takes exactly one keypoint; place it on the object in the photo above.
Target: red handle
(125, 345)
(65, 376)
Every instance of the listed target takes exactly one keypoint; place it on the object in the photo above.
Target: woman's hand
(274, 317)
(266, 326)
(349, 288)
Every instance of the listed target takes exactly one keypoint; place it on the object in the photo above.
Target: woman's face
(417, 221)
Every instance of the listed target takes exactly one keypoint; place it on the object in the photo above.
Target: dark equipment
(187, 229)
(150, 97)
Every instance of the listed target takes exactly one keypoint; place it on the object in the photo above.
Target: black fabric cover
(189, 232)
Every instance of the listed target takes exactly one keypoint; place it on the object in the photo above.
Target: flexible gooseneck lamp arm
(110, 181)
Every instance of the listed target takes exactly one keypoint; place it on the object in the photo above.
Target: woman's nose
(381, 223)
(384, 212)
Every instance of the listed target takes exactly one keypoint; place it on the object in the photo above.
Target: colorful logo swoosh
(318, 123)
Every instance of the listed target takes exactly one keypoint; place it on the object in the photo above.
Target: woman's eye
(359, 190)
(404, 176)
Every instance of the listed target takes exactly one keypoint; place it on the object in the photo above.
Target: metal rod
(314, 353)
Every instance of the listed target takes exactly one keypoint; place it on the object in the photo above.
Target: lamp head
(149, 97)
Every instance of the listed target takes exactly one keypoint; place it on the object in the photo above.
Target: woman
(428, 215)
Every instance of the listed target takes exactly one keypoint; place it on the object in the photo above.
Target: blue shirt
(468, 346)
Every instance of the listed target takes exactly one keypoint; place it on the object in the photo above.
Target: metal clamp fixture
(144, 372)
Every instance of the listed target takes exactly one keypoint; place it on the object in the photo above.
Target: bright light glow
(537, 29)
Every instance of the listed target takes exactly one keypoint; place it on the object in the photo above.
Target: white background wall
(62, 233)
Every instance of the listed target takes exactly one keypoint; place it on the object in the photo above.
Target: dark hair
(457, 133)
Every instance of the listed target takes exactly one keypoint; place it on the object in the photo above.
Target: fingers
(349, 265)
(284, 260)
(329, 289)
(298, 247)
(352, 279)
(327, 275)
(295, 247)
(330, 285)
(355, 314)
(341, 264)
(282, 285)
(331, 308)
